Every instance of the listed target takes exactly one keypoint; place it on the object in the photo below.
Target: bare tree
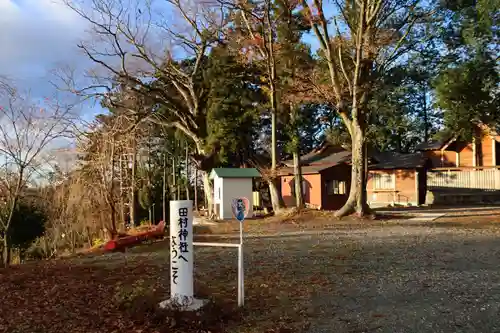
(100, 169)
(27, 130)
(125, 49)
(78, 214)
(257, 41)
(359, 44)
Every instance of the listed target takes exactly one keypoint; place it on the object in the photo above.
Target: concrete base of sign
(192, 304)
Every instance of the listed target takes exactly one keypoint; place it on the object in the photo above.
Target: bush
(97, 242)
(28, 224)
(38, 249)
(145, 222)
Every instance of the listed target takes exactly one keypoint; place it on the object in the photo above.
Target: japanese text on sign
(175, 253)
(178, 248)
(183, 233)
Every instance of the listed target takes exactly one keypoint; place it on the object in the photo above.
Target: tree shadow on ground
(413, 284)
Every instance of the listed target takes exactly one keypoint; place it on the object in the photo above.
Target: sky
(36, 37)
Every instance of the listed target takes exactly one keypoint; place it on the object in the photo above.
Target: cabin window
(384, 181)
(335, 187)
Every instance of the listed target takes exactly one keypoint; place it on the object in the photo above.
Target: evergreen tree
(468, 85)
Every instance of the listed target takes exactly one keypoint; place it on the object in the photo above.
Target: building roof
(321, 158)
(325, 153)
(234, 173)
(433, 144)
(327, 156)
(320, 165)
(394, 160)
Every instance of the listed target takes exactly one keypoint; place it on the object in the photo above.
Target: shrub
(97, 242)
(145, 222)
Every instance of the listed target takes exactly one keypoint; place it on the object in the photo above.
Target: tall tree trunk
(72, 237)
(187, 172)
(297, 168)
(209, 194)
(150, 205)
(164, 190)
(178, 187)
(123, 213)
(275, 194)
(174, 179)
(297, 172)
(426, 120)
(274, 189)
(195, 189)
(89, 236)
(356, 203)
(132, 184)
(7, 251)
(1, 254)
(112, 190)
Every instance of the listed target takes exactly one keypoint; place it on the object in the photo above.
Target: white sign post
(181, 258)
(240, 208)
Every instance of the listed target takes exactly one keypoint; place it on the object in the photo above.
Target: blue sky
(37, 36)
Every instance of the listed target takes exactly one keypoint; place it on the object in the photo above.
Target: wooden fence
(464, 178)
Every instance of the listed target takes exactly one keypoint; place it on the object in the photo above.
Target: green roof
(234, 173)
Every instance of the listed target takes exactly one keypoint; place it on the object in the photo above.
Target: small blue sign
(240, 208)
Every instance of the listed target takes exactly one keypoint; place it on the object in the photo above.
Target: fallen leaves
(63, 297)
(120, 292)
(104, 294)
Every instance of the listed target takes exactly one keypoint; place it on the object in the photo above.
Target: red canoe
(123, 242)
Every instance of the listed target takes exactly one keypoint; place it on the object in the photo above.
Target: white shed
(230, 183)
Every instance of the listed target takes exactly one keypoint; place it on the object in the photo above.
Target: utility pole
(164, 188)
(132, 181)
(195, 186)
(187, 172)
(426, 120)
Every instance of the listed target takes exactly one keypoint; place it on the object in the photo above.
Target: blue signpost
(240, 207)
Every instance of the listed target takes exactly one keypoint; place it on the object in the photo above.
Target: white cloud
(35, 36)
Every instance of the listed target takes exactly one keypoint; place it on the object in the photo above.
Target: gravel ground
(410, 280)
(381, 279)
(395, 279)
